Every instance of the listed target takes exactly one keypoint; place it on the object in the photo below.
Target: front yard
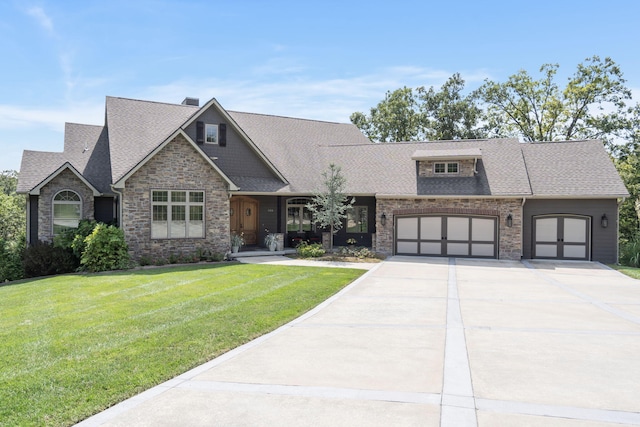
(73, 345)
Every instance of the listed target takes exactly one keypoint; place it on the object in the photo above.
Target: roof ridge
(288, 117)
(151, 102)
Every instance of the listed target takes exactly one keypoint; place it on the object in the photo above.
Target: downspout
(618, 230)
(524, 200)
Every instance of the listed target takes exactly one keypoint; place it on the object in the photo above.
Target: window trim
(55, 202)
(208, 126)
(169, 212)
(301, 210)
(446, 168)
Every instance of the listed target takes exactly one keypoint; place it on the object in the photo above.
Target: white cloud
(303, 96)
(41, 17)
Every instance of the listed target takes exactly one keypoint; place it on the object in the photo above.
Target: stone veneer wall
(178, 166)
(465, 168)
(66, 180)
(510, 238)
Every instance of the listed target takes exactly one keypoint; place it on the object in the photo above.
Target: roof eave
(35, 191)
(120, 183)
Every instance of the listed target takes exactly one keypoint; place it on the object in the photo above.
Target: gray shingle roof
(137, 127)
(573, 168)
(302, 149)
(85, 148)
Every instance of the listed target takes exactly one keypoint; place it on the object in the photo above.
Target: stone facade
(509, 238)
(66, 180)
(178, 166)
(465, 168)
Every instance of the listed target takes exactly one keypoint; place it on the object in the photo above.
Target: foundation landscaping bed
(74, 345)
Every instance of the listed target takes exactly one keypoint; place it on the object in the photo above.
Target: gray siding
(236, 158)
(604, 241)
(268, 217)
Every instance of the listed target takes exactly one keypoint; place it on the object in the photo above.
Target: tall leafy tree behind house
(592, 105)
(329, 205)
(423, 114)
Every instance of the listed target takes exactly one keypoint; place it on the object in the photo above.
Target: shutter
(200, 132)
(222, 137)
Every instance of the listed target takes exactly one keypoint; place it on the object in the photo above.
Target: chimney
(191, 101)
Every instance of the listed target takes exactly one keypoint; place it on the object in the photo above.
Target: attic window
(445, 168)
(211, 134)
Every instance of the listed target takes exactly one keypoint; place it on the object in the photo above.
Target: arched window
(67, 210)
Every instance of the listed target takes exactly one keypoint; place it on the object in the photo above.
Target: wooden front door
(244, 218)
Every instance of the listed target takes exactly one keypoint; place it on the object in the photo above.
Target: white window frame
(55, 202)
(446, 168)
(355, 214)
(166, 232)
(207, 127)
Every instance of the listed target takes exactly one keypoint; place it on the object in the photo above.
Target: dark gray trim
(33, 219)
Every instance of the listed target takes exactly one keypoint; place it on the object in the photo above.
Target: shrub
(74, 238)
(105, 249)
(630, 252)
(306, 250)
(45, 259)
(11, 254)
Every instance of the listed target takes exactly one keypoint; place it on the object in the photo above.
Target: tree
(396, 118)
(447, 114)
(591, 106)
(12, 208)
(329, 207)
(423, 114)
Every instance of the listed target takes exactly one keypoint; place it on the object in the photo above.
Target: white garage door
(561, 237)
(462, 236)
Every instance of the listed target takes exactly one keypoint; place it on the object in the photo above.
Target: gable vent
(191, 101)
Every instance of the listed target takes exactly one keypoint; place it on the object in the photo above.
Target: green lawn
(629, 271)
(73, 345)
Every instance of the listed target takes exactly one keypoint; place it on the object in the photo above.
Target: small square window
(452, 168)
(211, 134)
(439, 168)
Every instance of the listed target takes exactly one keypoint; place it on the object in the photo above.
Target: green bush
(45, 259)
(306, 250)
(74, 238)
(11, 260)
(630, 252)
(105, 249)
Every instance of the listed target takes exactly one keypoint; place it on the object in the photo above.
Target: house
(176, 177)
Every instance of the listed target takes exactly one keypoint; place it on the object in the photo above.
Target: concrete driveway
(428, 342)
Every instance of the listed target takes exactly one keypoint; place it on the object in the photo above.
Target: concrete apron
(428, 342)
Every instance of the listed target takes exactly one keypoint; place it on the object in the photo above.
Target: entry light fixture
(509, 220)
(248, 212)
(383, 219)
(604, 221)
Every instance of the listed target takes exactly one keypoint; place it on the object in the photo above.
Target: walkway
(428, 342)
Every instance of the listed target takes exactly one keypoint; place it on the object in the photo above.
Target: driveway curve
(428, 342)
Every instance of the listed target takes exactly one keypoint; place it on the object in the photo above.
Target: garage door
(462, 236)
(561, 237)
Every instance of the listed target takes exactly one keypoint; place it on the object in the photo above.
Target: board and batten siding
(604, 241)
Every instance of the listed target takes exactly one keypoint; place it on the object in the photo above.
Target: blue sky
(313, 59)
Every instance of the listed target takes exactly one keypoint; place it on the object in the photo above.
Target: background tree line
(594, 103)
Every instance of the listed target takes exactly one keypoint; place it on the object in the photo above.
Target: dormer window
(445, 168)
(211, 134)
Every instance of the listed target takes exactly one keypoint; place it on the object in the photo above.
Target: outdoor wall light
(604, 221)
(383, 219)
(509, 220)
(231, 211)
(248, 212)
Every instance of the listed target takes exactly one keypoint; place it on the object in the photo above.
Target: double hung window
(177, 214)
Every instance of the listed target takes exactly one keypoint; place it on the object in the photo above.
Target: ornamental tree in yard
(329, 206)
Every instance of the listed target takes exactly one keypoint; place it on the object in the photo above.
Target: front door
(244, 218)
